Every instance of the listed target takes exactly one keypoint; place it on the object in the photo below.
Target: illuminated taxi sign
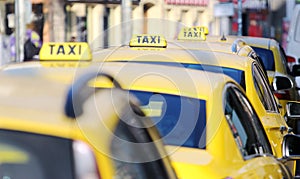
(203, 30)
(69, 51)
(193, 33)
(147, 40)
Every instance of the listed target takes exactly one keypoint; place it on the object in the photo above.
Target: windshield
(180, 120)
(27, 155)
(267, 58)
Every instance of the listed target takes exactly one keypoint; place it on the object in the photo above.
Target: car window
(267, 58)
(173, 115)
(123, 154)
(253, 117)
(237, 75)
(284, 60)
(263, 89)
(35, 156)
(245, 125)
(135, 154)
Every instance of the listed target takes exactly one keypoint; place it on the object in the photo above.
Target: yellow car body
(178, 53)
(213, 154)
(275, 126)
(38, 140)
(274, 60)
(280, 66)
(220, 151)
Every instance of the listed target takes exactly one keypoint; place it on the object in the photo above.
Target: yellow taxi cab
(266, 51)
(50, 129)
(141, 71)
(67, 56)
(274, 59)
(182, 104)
(205, 119)
(246, 71)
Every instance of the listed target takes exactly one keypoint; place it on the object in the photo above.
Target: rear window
(180, 120)
(237, 75)
(27, 155)
(267, 58)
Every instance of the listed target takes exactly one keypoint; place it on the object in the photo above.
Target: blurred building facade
(86, 20)
(99, 21)
(100, 24)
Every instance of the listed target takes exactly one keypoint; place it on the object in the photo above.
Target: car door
(266, 107)
(251, 138)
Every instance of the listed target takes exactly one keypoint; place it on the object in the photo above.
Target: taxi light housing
(193, 33)
(148, 41)
(65, 51)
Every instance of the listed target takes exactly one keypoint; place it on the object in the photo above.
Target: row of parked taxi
(197, 107)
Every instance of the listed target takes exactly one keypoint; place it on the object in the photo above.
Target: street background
(88, 20)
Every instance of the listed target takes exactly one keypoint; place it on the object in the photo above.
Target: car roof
(152, 71)
(36, 104)
(214, 46)
(174, 55)
(21, 101)
(139, 76)
(173, 80)
(252, 41)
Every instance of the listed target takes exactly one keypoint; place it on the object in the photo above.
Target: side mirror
(293, 116)
(296, 70)
(293, 110)
(291, 147)
(296, 74)
(281, 83)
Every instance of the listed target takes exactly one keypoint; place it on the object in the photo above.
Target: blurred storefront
(33, 18)
(255, 18)
(88, 20)
(100, 23)
(37, 17)
(260, 18)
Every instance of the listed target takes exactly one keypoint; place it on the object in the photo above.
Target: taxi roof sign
(193, 33)
(148, 40)
(65, 51)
